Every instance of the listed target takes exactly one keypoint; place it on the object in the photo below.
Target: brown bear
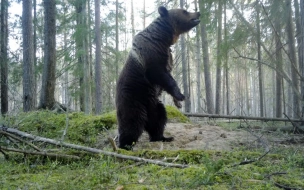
(146, 73)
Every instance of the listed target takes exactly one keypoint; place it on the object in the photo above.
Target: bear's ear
(162, 11)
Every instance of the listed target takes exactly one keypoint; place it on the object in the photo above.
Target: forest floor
(227, 137)
(216, 154)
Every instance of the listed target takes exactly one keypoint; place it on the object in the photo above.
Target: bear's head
(181, 20)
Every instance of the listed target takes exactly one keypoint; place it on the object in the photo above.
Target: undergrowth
(207, 169)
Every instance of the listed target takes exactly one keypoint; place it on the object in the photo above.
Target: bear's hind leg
(130, 127)
(127, 141)
(157, 119)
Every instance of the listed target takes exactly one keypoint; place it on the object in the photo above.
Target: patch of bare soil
(211, 137)
(196, 137)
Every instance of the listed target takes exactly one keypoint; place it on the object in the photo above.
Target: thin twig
(293, 123)
(113, 144)
(5, 155)
(251, 161)
(39, 153)
(20, 140)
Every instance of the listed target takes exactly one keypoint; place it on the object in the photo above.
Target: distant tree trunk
(65, 62)
(226, 73)
(98, 95)
(47, 97)
(298, 27)
(86, 63)
(279, 66)
(218, 60)
(116, 41)
(4, 57)
(28, 57)
(144, 14)
(184, 69)
(293, 58)
(35, 50)
(198, 68)
(301, 51)
(79, 42)
(132, 19)
(260, 71)
(208, 86)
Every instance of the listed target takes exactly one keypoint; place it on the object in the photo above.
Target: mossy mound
(175, 115)
(80, 128)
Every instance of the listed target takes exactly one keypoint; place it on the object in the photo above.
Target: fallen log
(241, 117)
(35, 138)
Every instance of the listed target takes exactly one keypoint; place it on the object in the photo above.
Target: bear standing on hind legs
(145, 72)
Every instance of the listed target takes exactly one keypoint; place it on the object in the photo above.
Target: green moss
(174, 114)
(81, 128)
(208, 170)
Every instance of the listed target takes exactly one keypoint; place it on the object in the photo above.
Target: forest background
(245, 57)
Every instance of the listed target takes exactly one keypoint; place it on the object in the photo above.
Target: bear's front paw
(177, 103)
(179, 97)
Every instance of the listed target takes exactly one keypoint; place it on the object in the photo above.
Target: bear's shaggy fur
(146, 73)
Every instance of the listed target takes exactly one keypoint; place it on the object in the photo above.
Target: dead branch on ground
(39, 153)
(251, 161)
(35, 138)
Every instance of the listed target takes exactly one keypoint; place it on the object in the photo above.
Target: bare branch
(20, 140)
(40, 153)
(281, 72)
(88, 149)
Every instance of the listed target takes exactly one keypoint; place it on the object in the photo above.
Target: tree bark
(144, 14)
(226, 73)
(47, 97)
(279, 66)
(184, 69)
(86, 63)
(293, 58)
(301, 52)
(198, 68)
(207, 74)
(28, 57)
(260, 71)
(98, 92)
(4, 57)
(132, 19)
(218, 61)
(116, 41)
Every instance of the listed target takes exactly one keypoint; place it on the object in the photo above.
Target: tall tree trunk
(66, 73)
(98, 92)
(47, 97)
(28, 57)
(132, 19)
(218, 61)
(301, 52)
(226, 73)
(144, 14)
(86, 63)
(279, 66)
(207, 75)
(116, 41)
(298, 27)
(80, 28)
(184, 69)
(293, 58)
(35, 50)
(260, 71)
(198, 68)
(4, 57)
